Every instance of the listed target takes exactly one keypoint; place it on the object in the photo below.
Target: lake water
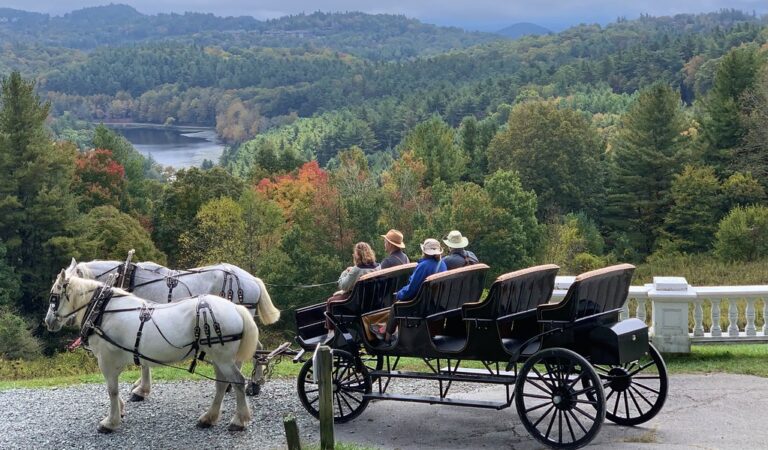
(173, 146)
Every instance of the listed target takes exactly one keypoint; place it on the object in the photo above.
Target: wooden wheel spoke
(609, 394)
(315, 400)
(546, 413)
(637, 405)
(538, 386)
(643, 367)
(592, 418)
(626, 404)
(534, 408)
(646, 387)
(570, 428)
(542, 379)
(559, 426)
(549, 428)
(578, 377)
(641, 396)
(537, 396)
(586, 390)
(616, 404)
(578, 422)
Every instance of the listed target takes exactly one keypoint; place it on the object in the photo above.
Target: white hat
(456, 240)
(431, 247)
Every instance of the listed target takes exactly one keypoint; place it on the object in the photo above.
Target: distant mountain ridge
(373, 36)
(521, 29)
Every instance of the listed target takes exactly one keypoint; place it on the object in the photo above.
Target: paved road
(702, 411)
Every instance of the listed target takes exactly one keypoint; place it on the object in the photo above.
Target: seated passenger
(429, 264)
(364, 259)
(394, 245)
(459, 256)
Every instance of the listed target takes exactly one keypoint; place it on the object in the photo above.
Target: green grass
(79, 367)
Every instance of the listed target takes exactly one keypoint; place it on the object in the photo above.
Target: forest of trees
(641, 141)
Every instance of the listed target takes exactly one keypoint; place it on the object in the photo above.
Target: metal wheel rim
(350, 383)
(553, 403)
(639, 397)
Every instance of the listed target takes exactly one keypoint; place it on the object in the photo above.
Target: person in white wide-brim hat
(459, 256)
(430, 263)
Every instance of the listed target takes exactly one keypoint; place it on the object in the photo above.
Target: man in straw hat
(430, 263)
(459, 256)
(394, 245)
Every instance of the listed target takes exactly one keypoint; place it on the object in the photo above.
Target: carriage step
(469, 371)
(446, 376)
(433, 400)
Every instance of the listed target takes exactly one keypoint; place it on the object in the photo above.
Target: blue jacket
(425, 268)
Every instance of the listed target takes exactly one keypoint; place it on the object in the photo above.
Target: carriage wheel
(350, 383)
(635, 392)
(560, 399)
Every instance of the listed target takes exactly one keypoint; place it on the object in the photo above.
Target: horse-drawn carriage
(566, 366)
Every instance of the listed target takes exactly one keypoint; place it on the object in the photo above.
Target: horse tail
(250, 340)
(267, 311)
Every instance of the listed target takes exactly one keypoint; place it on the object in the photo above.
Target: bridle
(55, 301)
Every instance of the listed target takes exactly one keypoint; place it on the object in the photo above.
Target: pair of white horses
(160, 322)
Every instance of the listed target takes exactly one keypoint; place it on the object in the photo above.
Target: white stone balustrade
(670, 327)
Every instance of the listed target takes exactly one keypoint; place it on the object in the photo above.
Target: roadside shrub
(16, 339)
(743, 234)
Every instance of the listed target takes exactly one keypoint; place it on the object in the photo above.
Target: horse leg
(243, 414)
(257, 376)
(142, 386)
(116, 405)
(212, 415)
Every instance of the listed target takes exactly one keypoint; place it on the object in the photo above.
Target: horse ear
(72, 264)
(63, 275)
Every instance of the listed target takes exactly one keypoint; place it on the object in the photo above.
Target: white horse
(169, 333)
(160, 284)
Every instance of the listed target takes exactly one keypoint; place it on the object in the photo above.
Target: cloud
(440, 11)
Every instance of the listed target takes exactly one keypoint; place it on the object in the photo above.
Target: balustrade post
(670, 297)
(698, 318)
(715, 331)
(733, 318)
(765, 316)
(750, 329)
(640, 313)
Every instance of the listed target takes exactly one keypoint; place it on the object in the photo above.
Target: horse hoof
(253, 389)
(233, 427)
(136, 398)
(201, 424)
(104, 430)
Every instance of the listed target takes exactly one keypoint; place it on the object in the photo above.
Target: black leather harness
(97, 308)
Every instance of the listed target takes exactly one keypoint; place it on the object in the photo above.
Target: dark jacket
(460, 258)
(395, 258)
(425, 268)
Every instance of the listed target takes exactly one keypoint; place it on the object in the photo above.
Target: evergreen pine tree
(648, 152)
(36, 205)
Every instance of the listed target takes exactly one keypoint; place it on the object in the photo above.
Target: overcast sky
(477, 14)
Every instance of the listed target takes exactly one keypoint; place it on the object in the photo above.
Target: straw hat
(395, 238)
(431, 247)
(456, 240)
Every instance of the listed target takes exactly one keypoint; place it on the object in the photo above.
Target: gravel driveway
(66, 418)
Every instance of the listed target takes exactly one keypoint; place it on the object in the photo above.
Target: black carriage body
(447, 323)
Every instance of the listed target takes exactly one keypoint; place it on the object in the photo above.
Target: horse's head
(63, 306)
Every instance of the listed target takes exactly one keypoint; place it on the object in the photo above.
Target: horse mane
(84, 271)
(81, 286)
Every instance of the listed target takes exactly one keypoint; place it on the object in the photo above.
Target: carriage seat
(592, 294)
(371, 291)
(513, 297)
(443, 294)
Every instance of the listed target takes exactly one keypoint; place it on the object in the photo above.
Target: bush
(584, 262)
(16, 339)
(743, 234)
